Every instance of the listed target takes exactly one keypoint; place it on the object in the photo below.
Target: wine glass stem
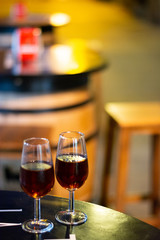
(37, 209)
(71, 201)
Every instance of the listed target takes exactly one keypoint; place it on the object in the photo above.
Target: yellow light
(62, 59)
(59, 19)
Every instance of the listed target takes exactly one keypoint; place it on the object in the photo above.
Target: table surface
(59, 59)
(60, 66)
(102, 223)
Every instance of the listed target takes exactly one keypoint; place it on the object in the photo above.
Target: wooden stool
(131, 118)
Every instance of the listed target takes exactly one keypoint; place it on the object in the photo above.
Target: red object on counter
(26, 44)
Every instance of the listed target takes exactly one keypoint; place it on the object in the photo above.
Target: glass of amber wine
(36, 179)
(71, 170)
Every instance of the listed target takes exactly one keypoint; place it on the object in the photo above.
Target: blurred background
(126, 35)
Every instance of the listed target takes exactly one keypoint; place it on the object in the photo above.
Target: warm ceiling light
(59, 19)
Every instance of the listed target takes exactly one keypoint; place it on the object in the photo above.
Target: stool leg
(123, 163)
(156, 173)
(107, 164)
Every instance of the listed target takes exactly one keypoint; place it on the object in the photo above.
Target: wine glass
(36, 179)
(71, 170)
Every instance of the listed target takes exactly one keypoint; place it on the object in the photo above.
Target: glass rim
(26, 141)
(71, 137)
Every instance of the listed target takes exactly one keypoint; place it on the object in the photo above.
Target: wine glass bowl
(36, 179)
(71, 170)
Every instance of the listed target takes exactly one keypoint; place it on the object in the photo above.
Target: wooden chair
(132, 118)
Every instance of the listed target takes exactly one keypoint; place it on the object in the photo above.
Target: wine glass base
(40, 226)
(71, 218)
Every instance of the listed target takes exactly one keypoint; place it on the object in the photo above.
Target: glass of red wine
(36, 179)
(71, 170)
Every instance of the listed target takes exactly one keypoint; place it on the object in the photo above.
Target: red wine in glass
(36, 179)
(71, 170)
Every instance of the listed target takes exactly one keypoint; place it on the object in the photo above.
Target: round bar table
(57, 92)
(48, 96)
(102, 223)
(60, 67)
